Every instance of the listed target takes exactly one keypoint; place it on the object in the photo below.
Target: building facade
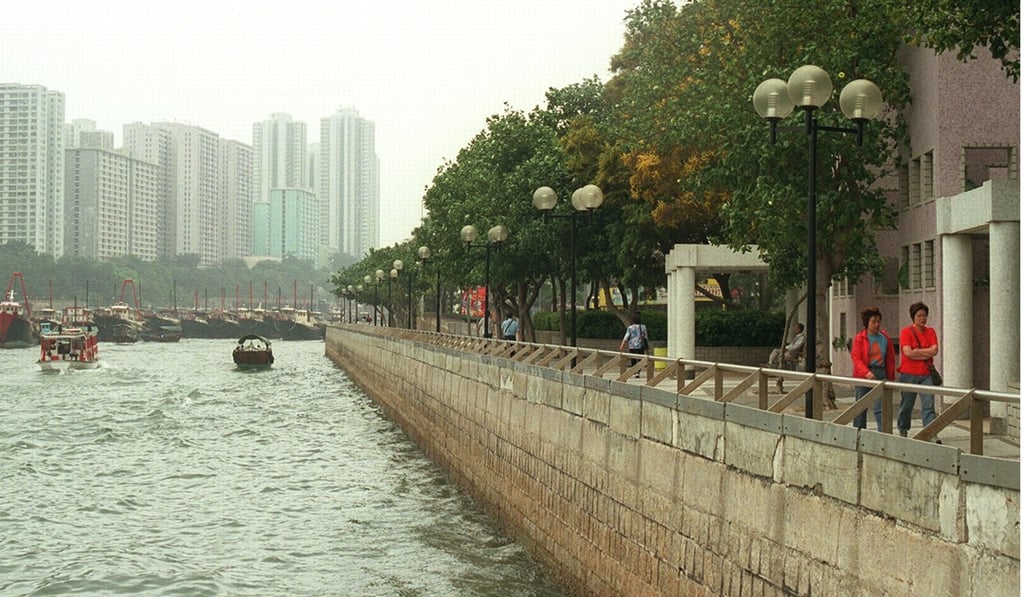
(279, 155)
(112, 205)
(32, 167)
(236, 200)
(349, 184)
(288, 225)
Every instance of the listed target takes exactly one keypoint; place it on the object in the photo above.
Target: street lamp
(585, 200)
(396, 268)
(809, 88)
(424, 255)
(379, 274)
(350, 293)
(495, 236)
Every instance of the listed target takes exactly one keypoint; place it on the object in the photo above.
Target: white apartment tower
(190, 156)
(32, 167)
(279, 155)
(235, 205)
(112, 204)
(349, 184)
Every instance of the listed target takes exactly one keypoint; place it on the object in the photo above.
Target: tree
(965, 26)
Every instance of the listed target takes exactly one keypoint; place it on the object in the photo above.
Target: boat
(253, 352)
(120, 322)
(16, 326)
(73, 344)
(161, 327)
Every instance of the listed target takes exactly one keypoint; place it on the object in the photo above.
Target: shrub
(747, 327)
(713, 327)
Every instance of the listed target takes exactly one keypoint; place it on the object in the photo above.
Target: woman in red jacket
(874, 357)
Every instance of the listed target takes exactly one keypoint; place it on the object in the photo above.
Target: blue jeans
(907, 400)
(861, 420)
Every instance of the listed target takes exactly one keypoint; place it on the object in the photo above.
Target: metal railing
(691, 375)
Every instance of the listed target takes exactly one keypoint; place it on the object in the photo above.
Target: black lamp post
(376, 303)
(424, 254)
(809, 88)
(396, 268)
(495, 236)
(585, 200)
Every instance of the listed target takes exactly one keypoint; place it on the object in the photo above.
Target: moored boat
(253, 352)
(16, 327)
(120, 322)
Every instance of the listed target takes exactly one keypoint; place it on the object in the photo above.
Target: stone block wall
(628, 490)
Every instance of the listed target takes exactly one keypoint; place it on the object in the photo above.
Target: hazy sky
(427, 72)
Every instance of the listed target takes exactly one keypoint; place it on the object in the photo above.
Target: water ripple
(169, 473)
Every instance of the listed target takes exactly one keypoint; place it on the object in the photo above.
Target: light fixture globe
(809, 86)
(861, 100)
(545, 198)
(424, 253)
(394, 274)
(380, 275)
(468, 233)
(591, 197)
(772, 101)
(498, 234)
(398, 265)
(367, 279)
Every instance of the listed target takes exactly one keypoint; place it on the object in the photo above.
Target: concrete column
(1004, 305)
(686, 278)
(956, 352)
(671, 325)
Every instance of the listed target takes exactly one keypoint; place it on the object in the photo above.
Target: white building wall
(349, 188)
(32, 167)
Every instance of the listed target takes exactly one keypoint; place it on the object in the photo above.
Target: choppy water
(169, 472)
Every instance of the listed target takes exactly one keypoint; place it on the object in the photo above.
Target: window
(928, 264)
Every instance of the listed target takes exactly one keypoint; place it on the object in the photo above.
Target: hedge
(713, 327)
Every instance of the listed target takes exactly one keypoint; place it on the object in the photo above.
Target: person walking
(510, 328)
(874, 357)
(635, 339)
(918, 345)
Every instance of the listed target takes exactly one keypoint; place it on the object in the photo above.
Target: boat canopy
(249, 337)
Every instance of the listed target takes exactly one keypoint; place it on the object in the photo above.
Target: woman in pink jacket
(874, 357)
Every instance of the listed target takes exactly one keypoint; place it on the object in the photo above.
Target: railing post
(977, 431)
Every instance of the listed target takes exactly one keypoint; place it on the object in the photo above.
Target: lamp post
(809, 88)
(585, 200)
(380, 280)
(495, 236)
(392, 276)
(424, 254)
(408, 283)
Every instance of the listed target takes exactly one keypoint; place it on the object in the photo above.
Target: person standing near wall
(874, 357)
(918, 345)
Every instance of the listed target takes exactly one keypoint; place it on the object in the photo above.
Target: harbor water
(167, 471)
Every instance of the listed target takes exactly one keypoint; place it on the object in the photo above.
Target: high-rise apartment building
(207, 189)
(236, 200)
(288, 225)
(82, 132)
(349, 184)
(152, 144)
(279, 155)
(112, 204)
(32, 167)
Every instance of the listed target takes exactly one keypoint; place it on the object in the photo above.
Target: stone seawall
(628, 490)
